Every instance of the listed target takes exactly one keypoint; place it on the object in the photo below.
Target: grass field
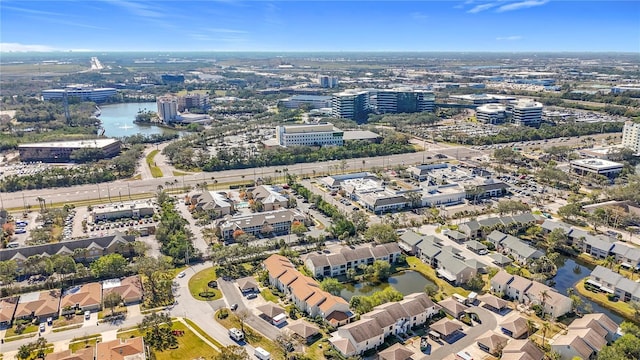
(268, 295)
(83, 342)
(190, 346)
(619, 307)
(198, 284)
(179, 173)
(41, 69)
(430, 273)
(28, 330)
(204, 334)
(155, 171)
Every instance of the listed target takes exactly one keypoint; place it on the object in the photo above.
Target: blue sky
(228, 25)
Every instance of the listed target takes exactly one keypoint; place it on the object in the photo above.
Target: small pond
(406, 282)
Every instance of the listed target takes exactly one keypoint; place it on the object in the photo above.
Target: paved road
(115, 189)
(233, 296)
(489, 323)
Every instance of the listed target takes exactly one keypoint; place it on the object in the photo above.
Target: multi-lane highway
(121, 189)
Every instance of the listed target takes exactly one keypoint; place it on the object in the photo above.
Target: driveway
(489, 323)
(233, 296)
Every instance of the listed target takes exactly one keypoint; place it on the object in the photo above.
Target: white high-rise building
(491, 113)
(631, 136)
(167, 108)
(350, 104)
(320, 134)
(526, 112)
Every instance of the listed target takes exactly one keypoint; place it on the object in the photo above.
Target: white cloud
(509, 38)
(521, 5)
(419, 15)
(482, 7)
(138, 8)
(17, 47)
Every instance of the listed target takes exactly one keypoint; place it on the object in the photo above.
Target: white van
(262, 354)
(236, 334)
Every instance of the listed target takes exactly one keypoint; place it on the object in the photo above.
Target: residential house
(339, 261)
(627, 255)
(549, 225)
(493, 303)
(129, 289)
(531, 292)
(429, 249)
(7, 309)
(248, 285)
(305, 292)
(514, 326)
(522, 350)
(80, 354)
(455, 236)
(388, 319)
(453, 307)
(270, 197)
(500, 259)
(270, 311)
(492, 343)
(452, 268)
(472, 229)
(358, 337)
(87, 297)
(446, 329)
(259, 224)
(596, 246)
(304, 330)
(611, 282)
(508, 244)
(597, 322)
(409, 241)
(83, 250)
(396, 351)
(40, 305)
(477, 247)
(121, 349)
(582, 343)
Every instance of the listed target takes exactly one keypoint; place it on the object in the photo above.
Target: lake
(567, 277)
(406, 282)
(117, 120)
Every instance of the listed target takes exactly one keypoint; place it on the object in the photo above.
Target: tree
(476, 283)
(382, 270)
(381, 233)
(109, 266)
(570, 211)
(242, 316)
(156, 328)
(298, 228)
(544, 296)
(545, 327)
(360, 219)
(112, 300)
(158, 278)
(431, 290)
(231, 352)
(331, 285)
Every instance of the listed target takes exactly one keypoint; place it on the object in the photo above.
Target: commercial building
(327, 81)
(526, 112)
(172, 78)
(351, 104)
(606, 168)
(167, 108)
(337, 262)
(402, 100)
(491, 113)
(479, 99)
(312, 101)
(191, 101)
(320, 134)
(134, 209)
(259, 224)
(61, 151)
(631, 136)
(305, 292)
(81, 92)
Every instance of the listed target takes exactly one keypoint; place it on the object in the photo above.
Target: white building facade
(321, 134)
(631, 136)
(526, 112)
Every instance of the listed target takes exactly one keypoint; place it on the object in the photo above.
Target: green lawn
(179, 173)
(204, 334)
(28, 330)
(155, 171)
(107, 311)
(85, 341)
(430, 273)
(198, 285)
(268, 295)
(620, 307)
(252, 337)
(63, 321)
(190, 346)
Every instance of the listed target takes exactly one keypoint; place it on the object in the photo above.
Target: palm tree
(609, 261)
(544, 296)
(545, 327)
(531, 327)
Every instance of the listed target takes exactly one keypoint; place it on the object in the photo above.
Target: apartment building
(259, 224)
(339, 261)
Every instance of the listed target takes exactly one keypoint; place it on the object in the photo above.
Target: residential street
(489, 323)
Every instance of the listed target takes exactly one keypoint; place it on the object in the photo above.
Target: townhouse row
(337, 263)
(52, 303)
(611, 282)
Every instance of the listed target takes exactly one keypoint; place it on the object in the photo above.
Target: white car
(181, 274)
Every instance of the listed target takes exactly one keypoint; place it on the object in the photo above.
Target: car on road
(252, 296)
(181, 274)
(42, 327)
(87, 315)
(234, 307)
(20, 231)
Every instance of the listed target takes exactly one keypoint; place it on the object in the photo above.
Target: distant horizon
(323, 52)
(490, 26)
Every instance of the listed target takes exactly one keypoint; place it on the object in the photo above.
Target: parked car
(252, 296)
(234, 307)
(42, 327)
(87, 315)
